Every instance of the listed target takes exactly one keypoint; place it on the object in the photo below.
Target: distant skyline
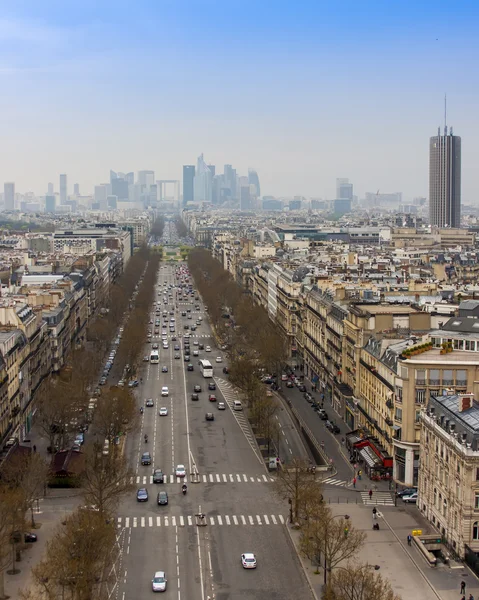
(304, 93)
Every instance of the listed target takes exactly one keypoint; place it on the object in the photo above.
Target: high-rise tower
(188, 183)
(63, 189)
(445, 179)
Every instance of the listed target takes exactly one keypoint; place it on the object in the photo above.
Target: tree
(29, 474)
(106, 479)
(299, 486)
(244, 374)
(115, 414)
(358, 582)
(262, 414)
(76, 559)
(331, 537)
(11, 521)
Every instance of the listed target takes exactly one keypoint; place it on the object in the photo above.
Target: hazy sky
(303, 91)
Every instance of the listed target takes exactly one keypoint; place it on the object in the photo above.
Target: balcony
(421, 382)
(461, 383)
(389, 403)
(435, 382)
(448, 382)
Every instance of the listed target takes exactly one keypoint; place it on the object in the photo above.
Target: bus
(206, 368)
(154, 357)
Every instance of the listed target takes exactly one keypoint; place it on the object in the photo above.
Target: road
(234, 490)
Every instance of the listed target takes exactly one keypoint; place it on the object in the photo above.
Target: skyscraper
(50, 202)
(9, 195)
(50, 189)
(188, 183)
(100, 196)
(203, 181)
(76, 189)
(63, 189)
(344, 189)
(445, 179)
(146, 178)
(254, 180)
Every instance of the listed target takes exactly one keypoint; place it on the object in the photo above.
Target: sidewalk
(409, 574)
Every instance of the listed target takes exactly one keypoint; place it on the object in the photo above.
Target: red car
(212, 398)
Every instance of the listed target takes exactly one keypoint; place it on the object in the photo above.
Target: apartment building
(449, 475)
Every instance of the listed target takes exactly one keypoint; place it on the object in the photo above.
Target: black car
(201, 346)
(190, 367)
(187, 358)
(209, 417)
(226, 370)
(302, 388)
(197, 388)
(195, 396)
(146, 458)
(158, 476)
(162, 498)
(212, 386)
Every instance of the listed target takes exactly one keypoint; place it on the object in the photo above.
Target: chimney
(465, 402)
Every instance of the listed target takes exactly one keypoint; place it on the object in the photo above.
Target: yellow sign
(417, 531)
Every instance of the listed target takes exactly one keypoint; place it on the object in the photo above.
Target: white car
(219, 359)
(163, 411)
(164, 391)
(180, 471)
(158, 583)
(412, 499)
(248, 560)
(208, 349)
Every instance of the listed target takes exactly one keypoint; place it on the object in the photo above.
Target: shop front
(367, 451)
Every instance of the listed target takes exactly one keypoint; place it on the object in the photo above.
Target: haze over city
(303, 92)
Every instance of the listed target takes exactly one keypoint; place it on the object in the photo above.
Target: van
(237, 405)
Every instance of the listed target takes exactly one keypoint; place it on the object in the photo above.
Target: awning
(369, 457)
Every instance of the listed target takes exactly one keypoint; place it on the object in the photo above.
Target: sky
(304, 91)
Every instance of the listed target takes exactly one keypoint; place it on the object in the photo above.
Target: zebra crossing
(190, 520)
(378, 499)
(207, 478)
(337, 482)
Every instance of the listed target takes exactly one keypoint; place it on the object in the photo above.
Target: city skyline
(372, 125)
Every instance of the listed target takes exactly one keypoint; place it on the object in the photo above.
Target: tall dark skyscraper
(445, 179)
(188, 183)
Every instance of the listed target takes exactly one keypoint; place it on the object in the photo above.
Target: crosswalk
(378, 499)
(337, 482)
(190, 520)
(207, 478)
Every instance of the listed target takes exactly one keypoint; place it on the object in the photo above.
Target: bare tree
(29, 474)
(298, 485)
(11, 526)
(76, 559)
(263, 414)
(358, 582)
(106, 479)
(333, 538)
(115, 413)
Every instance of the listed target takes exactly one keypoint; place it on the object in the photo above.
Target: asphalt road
(235, 492)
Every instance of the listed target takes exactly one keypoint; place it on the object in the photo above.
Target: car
(187, 358)
(134, 383)
(164, 369)
(190, 367)
(186, 326)
(177, 347)
(219, 359)
(146, 458)
(154, 346)
(248, 560)
(197, 388)
(30, 538)
(146, 358)
(142, 495)
(186, 336)
(193, 328)
(212, 398)
(302, 388)
(183, 313)
(196, 343)
(162, 498)
(177, 356)
(157, 331)
(196, 353)
(289, 384)
(209, 416)
(335, 429)
(406, 492)
(201, 346)
(208, 349)
(180, 471)
(158, 583)
(195, 397)
(174, 338)
(158, 476)
(412, 499)
(149, 402)
(102, 381)
(163, 411)
(212, 385)
(221, 405)
(164, 390)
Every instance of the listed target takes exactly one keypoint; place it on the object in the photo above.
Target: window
(461, 377)
(475, 530)
(434, 377)
(418, 416)
(420, 396)
(476, 501)
(447, 377)
(477, 472)
(398, 414)
(420, 377)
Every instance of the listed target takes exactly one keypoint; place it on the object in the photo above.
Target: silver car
(158, 583)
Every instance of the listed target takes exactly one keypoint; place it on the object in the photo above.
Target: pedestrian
(354, 482)
(463, 587)
(409, 539)
(360, 474)
(375, 514)
(471, 597)
(370, 494)
(34, 448)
